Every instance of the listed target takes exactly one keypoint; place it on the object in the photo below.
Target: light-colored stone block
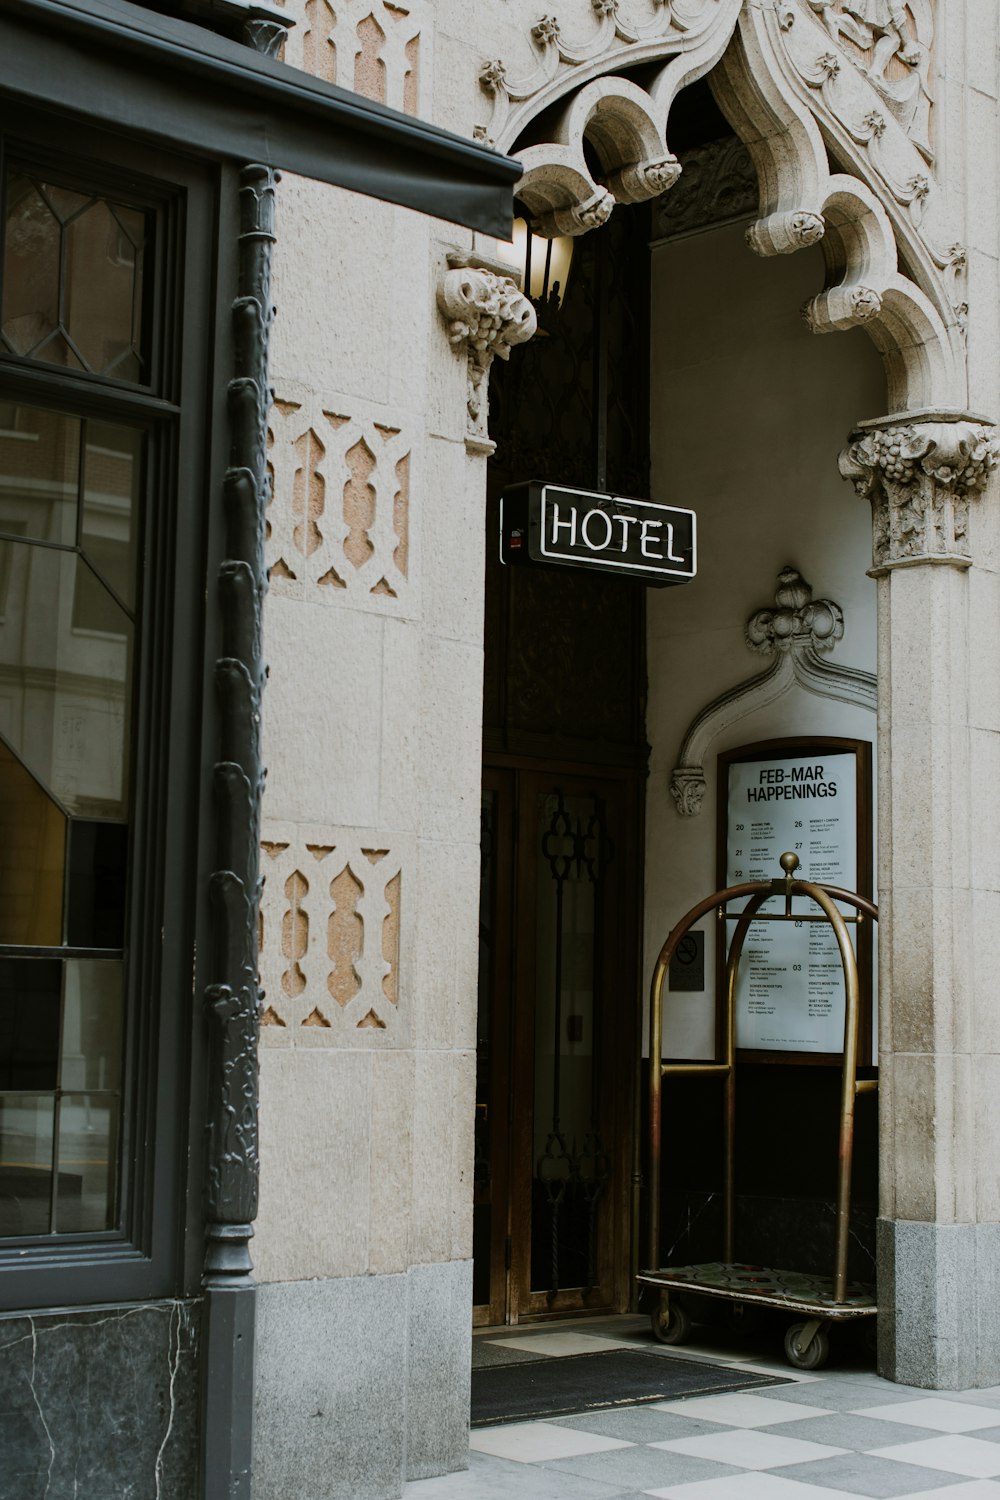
(391, 1147)
(985, 768)
(446, 949)
(451, 697)
(985, 946)
(323, 714)
(441, 1226)
(985, 1071)
(454, 559)
(397, 755)
(326, 295)
(316, 1109)
(913, 1103)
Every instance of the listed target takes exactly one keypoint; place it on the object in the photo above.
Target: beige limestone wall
(748, 413)
(373, 631)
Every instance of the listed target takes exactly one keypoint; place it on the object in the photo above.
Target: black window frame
(158, 1248)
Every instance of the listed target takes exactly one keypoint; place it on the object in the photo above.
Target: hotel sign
(569, 528)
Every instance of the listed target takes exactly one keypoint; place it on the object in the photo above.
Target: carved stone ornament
(920, 475)
(718, 185)
(797, 633)
(796, 621)
(613, 37)
(892, 49)
(232, 999)
(487, 315)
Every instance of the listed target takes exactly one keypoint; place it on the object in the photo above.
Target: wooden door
(557, 1007)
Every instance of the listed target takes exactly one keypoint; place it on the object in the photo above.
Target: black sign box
(568, 528)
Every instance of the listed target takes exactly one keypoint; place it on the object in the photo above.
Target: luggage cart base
(812, 1297)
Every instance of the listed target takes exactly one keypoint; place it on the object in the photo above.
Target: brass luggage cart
(817, 1300)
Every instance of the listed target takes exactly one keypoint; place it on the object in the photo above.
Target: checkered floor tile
(832, 1434)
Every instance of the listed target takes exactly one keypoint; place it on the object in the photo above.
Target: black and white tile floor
(823, 1436)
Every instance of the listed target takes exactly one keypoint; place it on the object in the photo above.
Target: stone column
(939, 1224)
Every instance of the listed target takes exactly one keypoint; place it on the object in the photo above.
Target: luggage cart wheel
(671, 1322)
(807, 1345)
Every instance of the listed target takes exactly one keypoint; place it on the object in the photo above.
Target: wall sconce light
(544, 264)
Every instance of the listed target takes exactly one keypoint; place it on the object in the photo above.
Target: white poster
(790, 996)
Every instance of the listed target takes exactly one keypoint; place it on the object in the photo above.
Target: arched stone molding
(618, 119)
(794, 78)
(565, 60)
(791, 92)
(796, 634)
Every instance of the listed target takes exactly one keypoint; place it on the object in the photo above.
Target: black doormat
(557, 1386)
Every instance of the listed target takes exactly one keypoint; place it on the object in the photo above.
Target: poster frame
(795, 748)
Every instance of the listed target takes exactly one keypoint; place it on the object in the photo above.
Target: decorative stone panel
(371, 46)
(330, 933)
(338, 524)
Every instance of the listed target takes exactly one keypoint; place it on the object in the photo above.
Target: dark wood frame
(502, 783)
(513, 1036)
(795, 748)
(157, 1249)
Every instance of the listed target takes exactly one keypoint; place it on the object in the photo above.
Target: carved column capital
(487, 315)
(920, 474)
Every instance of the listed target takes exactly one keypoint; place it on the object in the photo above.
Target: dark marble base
(791, 1234)
(101, 1404)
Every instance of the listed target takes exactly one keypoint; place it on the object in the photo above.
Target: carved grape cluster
(892, 456)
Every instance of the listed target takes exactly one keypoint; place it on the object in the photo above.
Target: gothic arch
(802, 82)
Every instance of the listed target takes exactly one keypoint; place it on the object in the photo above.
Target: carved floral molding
(613, 39)
(487, 315)
(797, 633)
(920, 475)
(890, 44)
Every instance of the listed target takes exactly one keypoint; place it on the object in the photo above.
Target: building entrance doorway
(564, 767)
(555, 1043)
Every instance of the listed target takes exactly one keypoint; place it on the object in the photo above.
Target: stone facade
(875, 152)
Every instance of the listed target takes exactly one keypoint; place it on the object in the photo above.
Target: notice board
(812, 797)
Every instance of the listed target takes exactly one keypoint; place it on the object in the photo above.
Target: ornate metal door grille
(573, 1168)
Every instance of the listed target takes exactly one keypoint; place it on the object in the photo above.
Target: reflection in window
(109, 504)
(73, 278)
(60, 1076)
(33, 867)
(39, 474)
(70, 493)
(66, 690)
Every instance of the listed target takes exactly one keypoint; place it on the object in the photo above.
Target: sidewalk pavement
(823, 1436)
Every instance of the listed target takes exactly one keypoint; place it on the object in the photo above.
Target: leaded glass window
(73, 480)
(73, 278)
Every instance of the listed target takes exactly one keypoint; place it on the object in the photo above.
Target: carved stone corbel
(487, 314)
(920, 474)
(797, 633)
(644, 179)
(576, 218)
(784, 233)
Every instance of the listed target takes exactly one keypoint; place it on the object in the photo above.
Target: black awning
(168, 80)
